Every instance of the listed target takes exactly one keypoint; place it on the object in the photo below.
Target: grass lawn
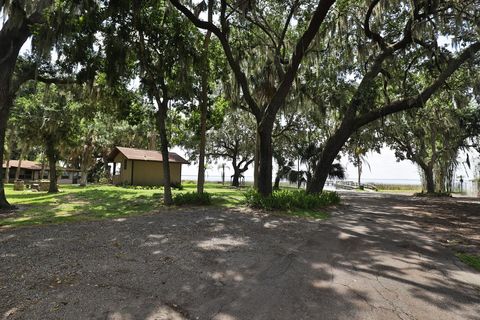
(472, 260)
(94, 202)
(406, 191)
(399, 188)
(304, 213)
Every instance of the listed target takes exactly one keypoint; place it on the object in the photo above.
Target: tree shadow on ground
(370, 260)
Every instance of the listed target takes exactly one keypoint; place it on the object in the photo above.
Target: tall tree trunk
(13, 35)
(7, 155)
(430, 181)
(265, 151)
(5, 101)
(162, 130)
(236, 172)
(236, 178)
(429, 178)
(83, 174)
(152, 140)
(204, 105)
(203, 135)
(276, 185)
(239, 169)
(106, 167)
(87, 149)
(333, 145)
(19, 167)
(299, 180)
(52, 163)
(256, 163)
(42, 171)
(7, 170)
(223, 173)
(359, 170)
(439, 180)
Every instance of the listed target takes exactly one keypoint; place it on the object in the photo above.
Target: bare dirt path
(378, 257)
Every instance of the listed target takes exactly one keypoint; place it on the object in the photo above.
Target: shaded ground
(378, 257)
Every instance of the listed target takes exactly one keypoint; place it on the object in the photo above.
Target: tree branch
(30, 72)
(289, 125)
(258, 24)
(368, 31)
(281, 42)
(420, 99)
(287, 23)
(300, 49)
(218, 154)
(245, 167)
(222, 37)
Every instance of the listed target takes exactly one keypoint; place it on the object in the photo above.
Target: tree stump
(19, 185)
(44, 185)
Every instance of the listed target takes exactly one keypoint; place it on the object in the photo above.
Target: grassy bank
(95, 202)
(399, 188)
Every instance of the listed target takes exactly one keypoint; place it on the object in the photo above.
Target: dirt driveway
(378, 257)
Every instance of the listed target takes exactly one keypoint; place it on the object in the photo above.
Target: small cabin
(29, 170)
(32, 171)
(143, 167)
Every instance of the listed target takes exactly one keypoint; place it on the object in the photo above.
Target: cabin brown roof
(32, 165)
(26, 164)
(145, 155)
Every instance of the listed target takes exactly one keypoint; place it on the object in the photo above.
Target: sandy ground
(378, 257)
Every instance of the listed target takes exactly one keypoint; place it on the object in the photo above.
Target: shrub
(177, 186)
(192, 198)
(103, 180)
(290, 199)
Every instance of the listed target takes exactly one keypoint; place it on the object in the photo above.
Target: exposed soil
(453, 221)
(378, 257)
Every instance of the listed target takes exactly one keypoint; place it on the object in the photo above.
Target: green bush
(104, 180)
(177, 186)
(290, 199)
(192, 198)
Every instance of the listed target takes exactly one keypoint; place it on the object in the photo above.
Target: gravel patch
(378, 257)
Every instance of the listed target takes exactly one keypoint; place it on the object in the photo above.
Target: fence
(467, 187)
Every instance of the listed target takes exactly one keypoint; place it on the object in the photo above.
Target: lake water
(468, 187)
(214, 178)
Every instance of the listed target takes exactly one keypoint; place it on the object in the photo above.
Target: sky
(382, 168)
